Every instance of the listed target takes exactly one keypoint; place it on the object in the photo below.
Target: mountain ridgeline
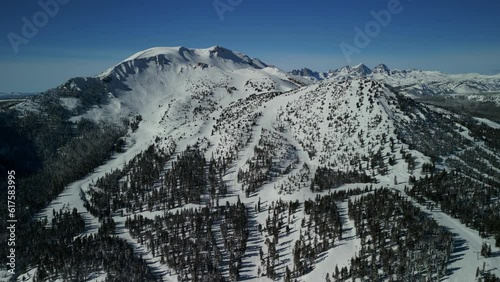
(411, 82)
(183, 164)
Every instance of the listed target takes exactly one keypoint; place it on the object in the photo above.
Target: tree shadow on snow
(457, 254)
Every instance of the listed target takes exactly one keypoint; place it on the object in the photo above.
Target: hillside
(208, 165)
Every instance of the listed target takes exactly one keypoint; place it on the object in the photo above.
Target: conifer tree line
(50, 236)
(483, 132)
(59, 152)
(321, 227)
(87, 255)
(481, 171)
(186, 240)
(273, 157)
(87, 147)
(476, 204)
(296, 181)
(397, 239)
(419, 133)
(146, 184)
(483, 161)
(280, 219)
(126, 187)
(235, 125)
(461, 168)
(448, 139)
(326, 178)
(319, 230)
(40, 144)
(59, 253)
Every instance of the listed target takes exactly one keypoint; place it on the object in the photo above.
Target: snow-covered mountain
(293, 158)
(310, 74)
(413, 82)
(205, 79)
(360, 70)
(381, 69)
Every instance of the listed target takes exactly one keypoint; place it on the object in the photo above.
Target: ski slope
(230, 102)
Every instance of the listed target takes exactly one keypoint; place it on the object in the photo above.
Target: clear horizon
(70, 38)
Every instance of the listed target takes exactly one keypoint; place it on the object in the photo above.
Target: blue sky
(86, 37)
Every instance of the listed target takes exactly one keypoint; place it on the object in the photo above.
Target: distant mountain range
(15, 95)
(412, 81)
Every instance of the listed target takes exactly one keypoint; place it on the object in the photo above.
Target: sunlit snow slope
(246, 113)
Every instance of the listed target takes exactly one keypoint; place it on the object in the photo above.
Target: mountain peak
(306, 72)
(362, 69)
(157, 51)
(358, 70)
(224, 53)
(217, 56)
(218, 48)
(381, 68)
(302, 72)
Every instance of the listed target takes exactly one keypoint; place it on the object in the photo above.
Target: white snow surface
(182, 93)
(412, 81)
(488, 122)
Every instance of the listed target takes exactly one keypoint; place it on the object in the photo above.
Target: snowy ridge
(275, 132)
(214, 56)
(413, 82)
